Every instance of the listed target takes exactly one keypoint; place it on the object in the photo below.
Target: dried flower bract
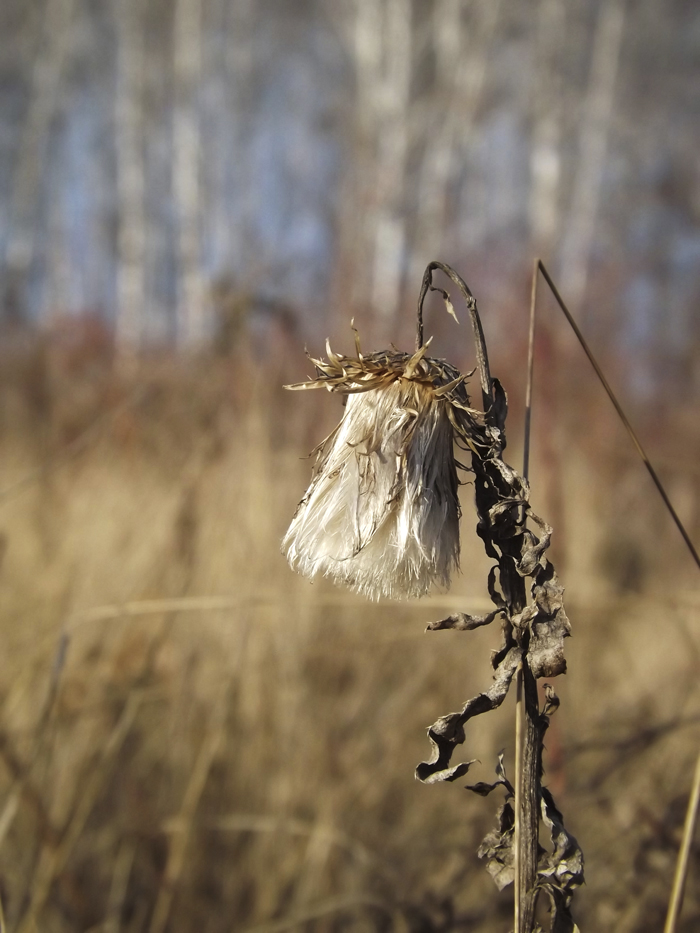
(382, 512)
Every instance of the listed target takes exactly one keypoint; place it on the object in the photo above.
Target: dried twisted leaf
(449, 307)
(463, 622)
(549, 625)
(497, 847)
(448, 731)
(483, 789)
(534, 547)
(551, 701)
(561, 871)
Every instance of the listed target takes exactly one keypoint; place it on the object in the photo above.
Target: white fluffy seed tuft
(382, 512)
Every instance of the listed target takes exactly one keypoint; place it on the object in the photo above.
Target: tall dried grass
(193, 738)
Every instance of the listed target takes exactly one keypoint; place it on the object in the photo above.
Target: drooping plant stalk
(381, 515)
(532, 647)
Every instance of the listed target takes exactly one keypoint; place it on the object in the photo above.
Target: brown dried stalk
(381, 516)
(380, 508)
(532, 647)
(532, 644)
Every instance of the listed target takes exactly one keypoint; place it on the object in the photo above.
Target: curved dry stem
(482, 358)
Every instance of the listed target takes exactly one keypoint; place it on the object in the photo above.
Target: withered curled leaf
(497, 847)
(448, 731)
(483, 789)
(463, 622)
(561, 871)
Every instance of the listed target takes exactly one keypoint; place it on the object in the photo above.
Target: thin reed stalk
(212, 743)
(683, 863)
(523, 847)
(539, 265)
(55, 854)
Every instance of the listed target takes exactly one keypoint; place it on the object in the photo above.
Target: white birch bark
(131, 285)
(595, 128)
(462, 61)
(545, 152)
(382, 49)
(361, 32)
(228, 52)
(46, 87)
(192, 324)
(239, 68)
(392, 154)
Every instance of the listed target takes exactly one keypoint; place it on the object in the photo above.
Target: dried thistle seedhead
(382, 516)
(382, 512)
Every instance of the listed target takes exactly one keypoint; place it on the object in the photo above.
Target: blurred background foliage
(192, 738)
(159, 158)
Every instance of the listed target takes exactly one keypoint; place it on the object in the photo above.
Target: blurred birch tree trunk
(232, 231)
(382, 50)
(45, 95)
(593, 142)
(545, 152)
(191, 323)
(131, 284)
(461, 57)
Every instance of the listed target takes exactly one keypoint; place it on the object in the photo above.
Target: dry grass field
(194, 739)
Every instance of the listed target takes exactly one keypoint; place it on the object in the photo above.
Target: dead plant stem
(530, 373)
(618, 408)
(691, 821)
(527, 770)
(530, 800)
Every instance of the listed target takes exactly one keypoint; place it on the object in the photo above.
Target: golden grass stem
(254, 823)
(681, 872)
(679, 879)
(184, 604)
(120, 882)
(211, 744)
(54, 856)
